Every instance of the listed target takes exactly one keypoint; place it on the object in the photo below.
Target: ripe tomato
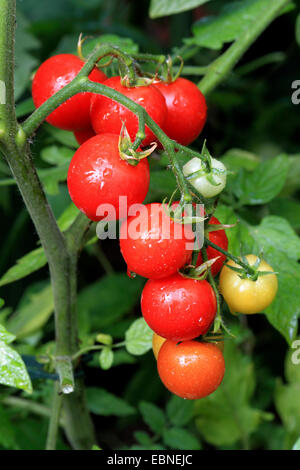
(244, 295)
(107, 115)
(54, 74)
(178, 308)
(187, 110)
(157, 342)
(82, 136)
(160, 246)
(219, 238)
(203, 181)
(97, 175)
(190, 369)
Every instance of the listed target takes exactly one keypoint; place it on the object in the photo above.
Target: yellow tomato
(244, 295)
(157, 342)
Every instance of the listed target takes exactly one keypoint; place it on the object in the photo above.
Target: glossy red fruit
(187, 110)
(178, 308)
(107, 115)
(83, 136)
(54, 74)
(160, 247)
(97, 175)
(219, 238)
(190, 369)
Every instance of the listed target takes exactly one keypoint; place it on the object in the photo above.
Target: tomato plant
(76, 327)
(190, 369)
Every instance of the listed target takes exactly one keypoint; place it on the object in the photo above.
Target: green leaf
(179, 438)
(235, 18)
(104, 302)
(33, 311)
(138, 338)
(101, 402)
(291, 369)
(5, 336)
(179, 411)
(7, 432)
(287, 208)
(13, 372)
(162, 184)
(143, 438)
(26, 265)
(287, 405)
(263, 184)
(160, 8)
(296, 446)
(297, 30)
(57, 155)
(272, 235)
(36, 259)
(25, 61)
(235, 159)
(153, 416)
(125, 44)
(63, 137)
(106, 358)
(226, 416)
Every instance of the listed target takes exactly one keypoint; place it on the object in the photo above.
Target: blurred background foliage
(254, 126)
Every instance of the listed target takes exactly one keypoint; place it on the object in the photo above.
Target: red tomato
(97, 175)
(82, 136)
(178, 308)
(219, 238)
(107, 115)
(187, 110)
(54, 74)
(160, 247)
(190, 369)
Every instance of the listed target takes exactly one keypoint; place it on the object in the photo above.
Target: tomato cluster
(178, 307)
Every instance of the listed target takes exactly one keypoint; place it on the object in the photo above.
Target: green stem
(54, 419)
(222, 66)
(218, 320)
(62, 264)
(237, 260)
(29, 406)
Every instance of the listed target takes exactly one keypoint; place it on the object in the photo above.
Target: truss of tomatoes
(180, 310)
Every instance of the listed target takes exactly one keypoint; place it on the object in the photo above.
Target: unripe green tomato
(203, 182)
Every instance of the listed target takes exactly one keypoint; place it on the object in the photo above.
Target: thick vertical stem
(62, 263)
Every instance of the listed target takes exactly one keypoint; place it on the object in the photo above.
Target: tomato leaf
(179, 411)
(263, 184)
(179, 438)
(160, 8)
(235, 18)
(153, 416)
(138, 338)
(101, 402)
(227, 415)
(106, 358)
(13, 372)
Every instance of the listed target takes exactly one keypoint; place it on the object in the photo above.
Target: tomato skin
(157, 342)
(156, 252)
(190, 369)
(54, 74)
(187, 110)
(107, 115)
(244, 295)
(178, 308)
(83, 136)
(97, 175)
(219, 238)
